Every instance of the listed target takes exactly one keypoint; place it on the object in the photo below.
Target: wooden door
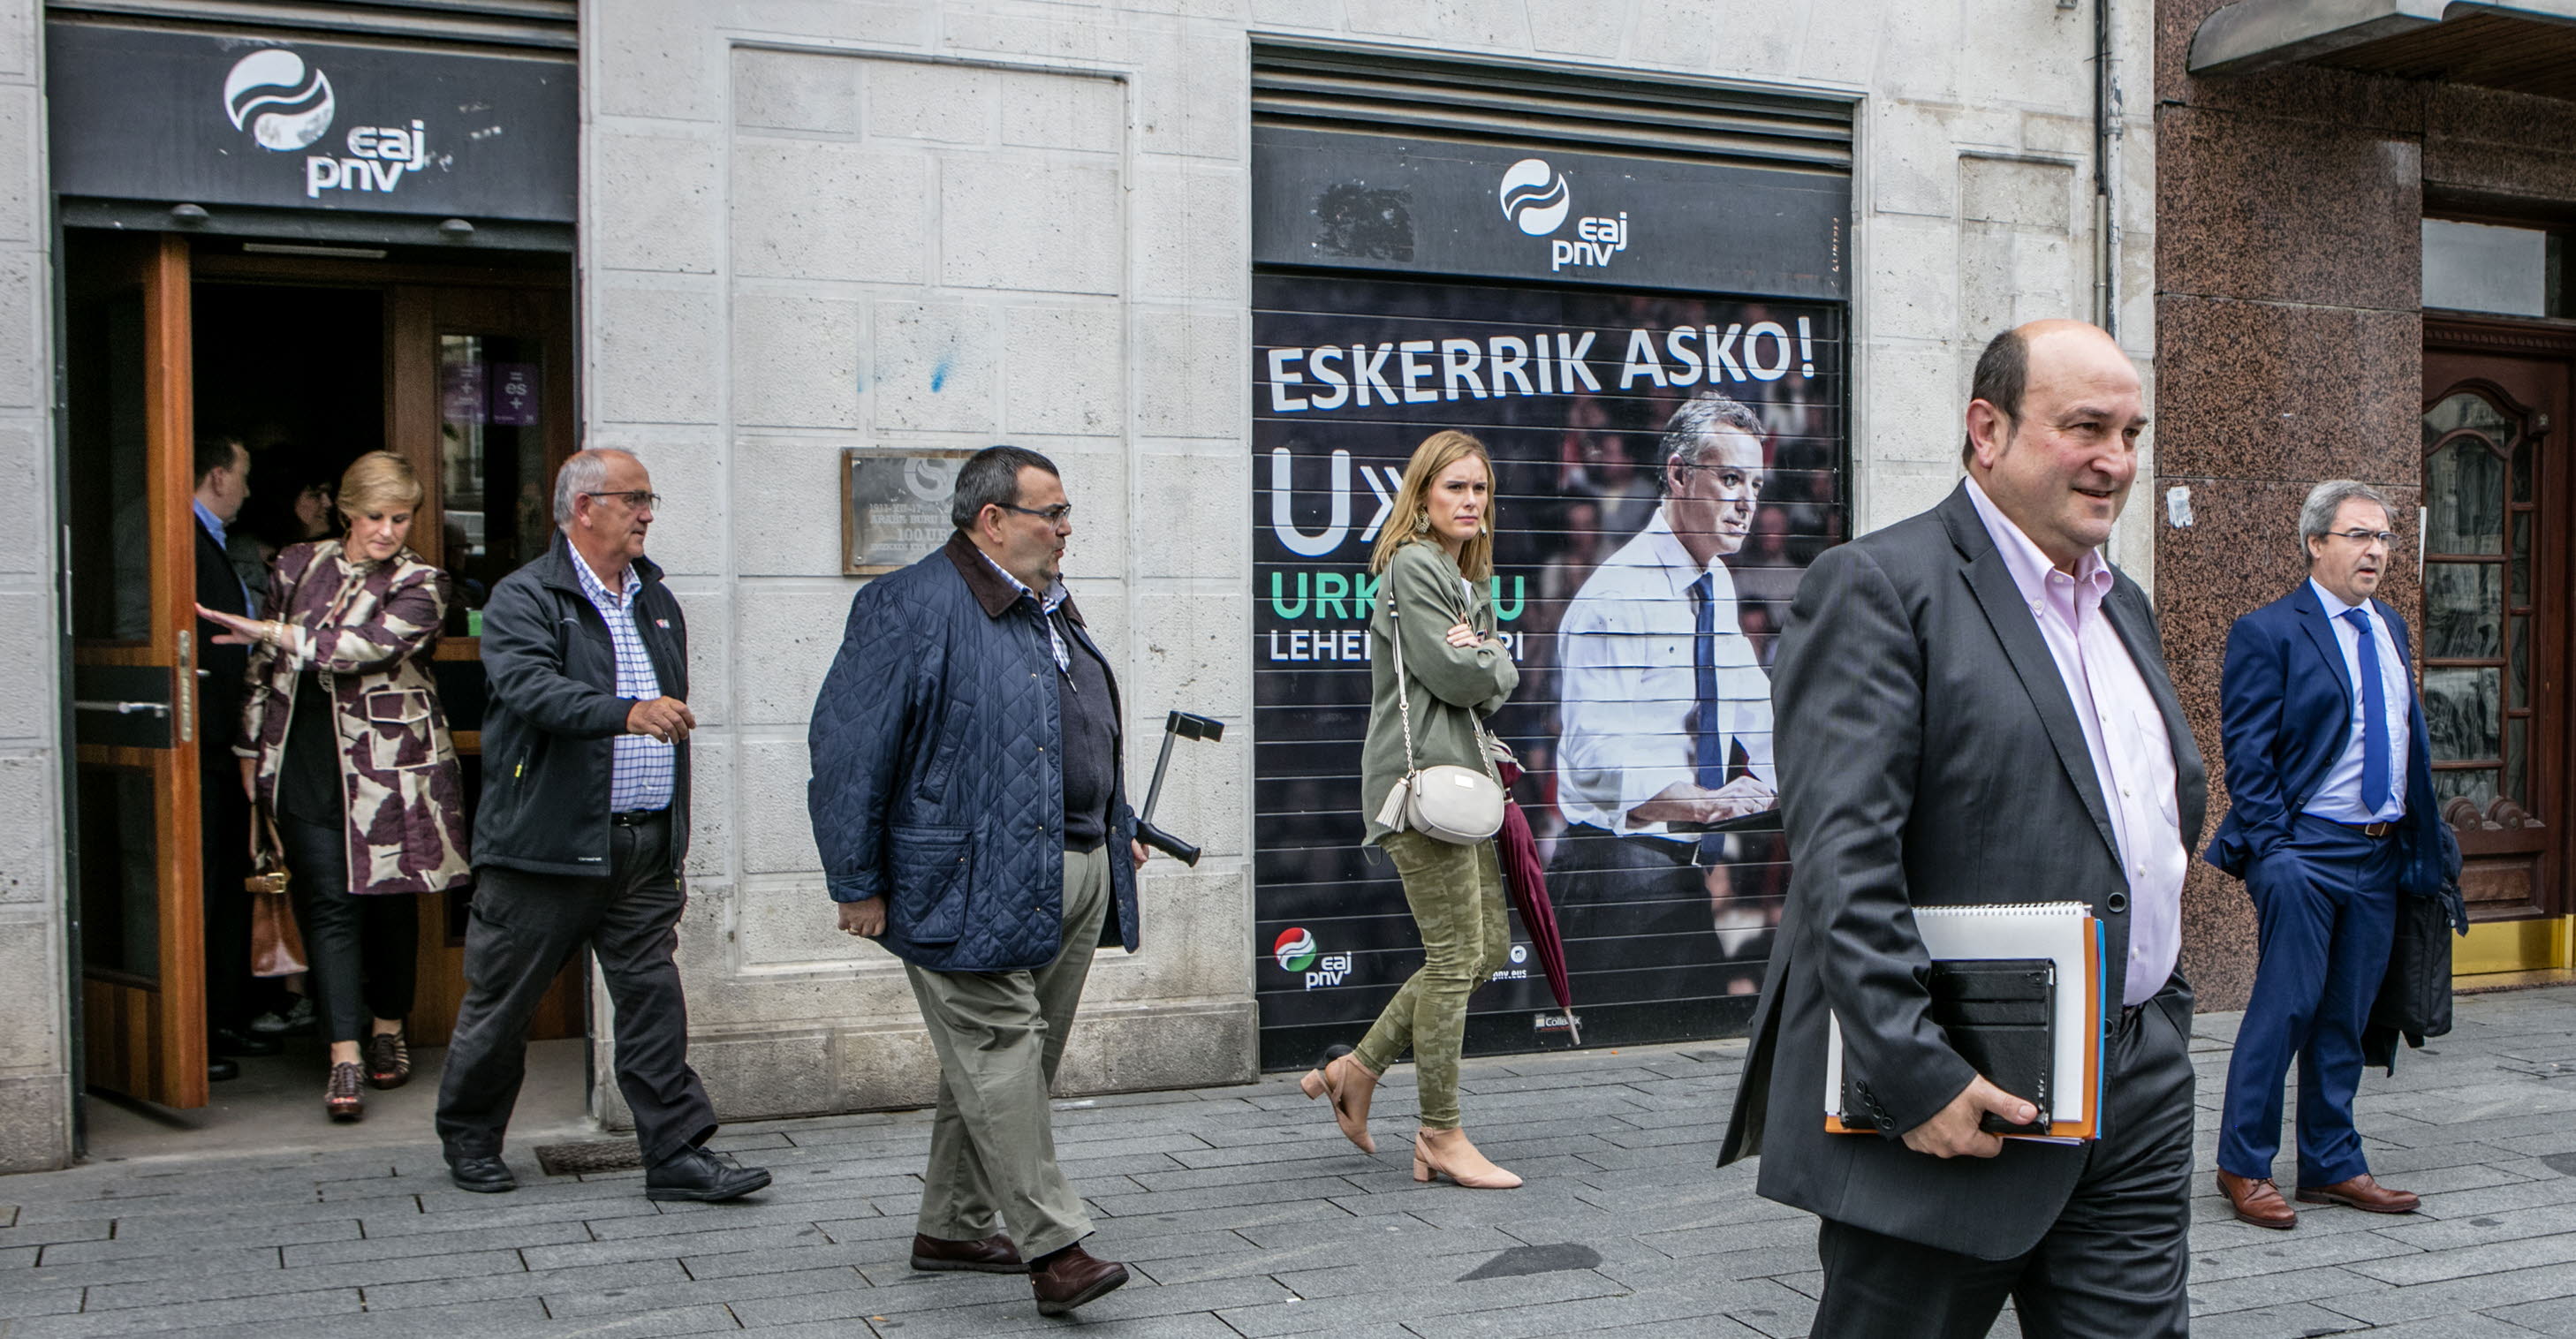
(479, 400)
(2497, 489)
(132, 555)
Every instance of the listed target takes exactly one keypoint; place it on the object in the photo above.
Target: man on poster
(1665, 722)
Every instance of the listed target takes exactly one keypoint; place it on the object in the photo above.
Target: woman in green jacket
(1434, 560)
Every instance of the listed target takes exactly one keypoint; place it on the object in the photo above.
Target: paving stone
(188, 1317)
(502, 1285)
(268, 1282)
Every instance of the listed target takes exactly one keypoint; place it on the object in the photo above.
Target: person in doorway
(1666, 713)
(1973, 709)
(967, 753)
(2332, 817)
(223, 485)
(344, 743)
(1434, 559)
(579, 840)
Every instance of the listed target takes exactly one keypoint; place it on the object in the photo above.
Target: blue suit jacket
(2285, 715)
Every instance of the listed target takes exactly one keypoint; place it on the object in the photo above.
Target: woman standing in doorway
(1434, 561)
(345, 744)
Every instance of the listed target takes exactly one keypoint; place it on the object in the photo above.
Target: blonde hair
(379, 481)
(1430, 460)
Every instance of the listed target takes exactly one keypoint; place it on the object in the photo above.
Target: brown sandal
(389, 1058)
(341, 1099)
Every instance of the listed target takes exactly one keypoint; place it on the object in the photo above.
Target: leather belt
(636, 818)
(2373, 830)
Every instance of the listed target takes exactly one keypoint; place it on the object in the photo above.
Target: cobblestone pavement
(1242, 1213)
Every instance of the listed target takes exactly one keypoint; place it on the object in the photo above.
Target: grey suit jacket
(1929, 754)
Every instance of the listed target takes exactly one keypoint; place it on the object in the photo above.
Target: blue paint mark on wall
(939, 376)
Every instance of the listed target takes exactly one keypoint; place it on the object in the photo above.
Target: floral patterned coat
(368, 628)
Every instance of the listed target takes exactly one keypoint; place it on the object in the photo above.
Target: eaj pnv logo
(1295, 950)
(1535, 196)
(284, 105)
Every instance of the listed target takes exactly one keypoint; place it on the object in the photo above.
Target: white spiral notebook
(2065, 933)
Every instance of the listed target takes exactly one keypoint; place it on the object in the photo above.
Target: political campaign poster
(1667, 464)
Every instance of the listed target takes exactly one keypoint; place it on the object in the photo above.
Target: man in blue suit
(2329, 771)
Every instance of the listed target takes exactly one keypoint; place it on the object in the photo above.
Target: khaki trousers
(999, 1036)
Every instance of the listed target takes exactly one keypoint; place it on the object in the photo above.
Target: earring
(1484, 527)
(1422, 521)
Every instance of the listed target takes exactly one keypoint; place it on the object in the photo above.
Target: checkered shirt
(642, 769)
(1054, 598)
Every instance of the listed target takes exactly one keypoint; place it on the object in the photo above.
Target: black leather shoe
(483, 1176)
(696, 1174)
(220, 1070)
(226, 1041)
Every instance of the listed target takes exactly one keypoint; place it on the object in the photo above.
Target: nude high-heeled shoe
(1447, 1153)
(1349, 1083)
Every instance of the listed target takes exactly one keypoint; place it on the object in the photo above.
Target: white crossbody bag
(1457, 805)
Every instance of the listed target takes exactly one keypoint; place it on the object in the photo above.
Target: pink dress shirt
(2124, 732)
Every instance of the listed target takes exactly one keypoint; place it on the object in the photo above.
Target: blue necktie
(1708, 754)
(2374, 719)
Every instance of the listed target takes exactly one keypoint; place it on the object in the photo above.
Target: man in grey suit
(1971, 708)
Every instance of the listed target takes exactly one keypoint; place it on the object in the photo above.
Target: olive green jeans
(1456, 893)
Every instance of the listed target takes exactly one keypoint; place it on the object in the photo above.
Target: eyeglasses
(1051, 515)
(2388, 537)
(639, 500)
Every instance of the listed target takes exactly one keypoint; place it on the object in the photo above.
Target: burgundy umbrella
(1518, 851)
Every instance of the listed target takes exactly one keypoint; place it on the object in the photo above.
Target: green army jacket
(1451, 689)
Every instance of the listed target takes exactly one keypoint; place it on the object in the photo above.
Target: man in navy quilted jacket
(968, 803)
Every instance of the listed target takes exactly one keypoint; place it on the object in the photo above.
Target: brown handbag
(276, 945)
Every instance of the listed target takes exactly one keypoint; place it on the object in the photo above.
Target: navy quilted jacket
(938, 774)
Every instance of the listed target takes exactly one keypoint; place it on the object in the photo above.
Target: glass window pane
(492, 468)
(2522, 467)
(2483, 268)
(2464, 498)
(2466, 409)
(2518, 692)
(2513, 760)
(2462, 602)
(2460, 711)
(2520, 584)
(119, 866)
(2478, 785)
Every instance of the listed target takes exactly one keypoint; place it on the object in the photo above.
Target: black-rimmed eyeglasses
(2388, 537)
(1054, 515)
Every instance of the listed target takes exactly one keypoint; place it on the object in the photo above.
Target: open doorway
(311, 356)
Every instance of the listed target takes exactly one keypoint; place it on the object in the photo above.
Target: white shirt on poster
(1628, 684)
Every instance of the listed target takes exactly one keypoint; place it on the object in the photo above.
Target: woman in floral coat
(344, 742)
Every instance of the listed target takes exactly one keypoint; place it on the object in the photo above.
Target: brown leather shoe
(2257, 1202)
(2362, 1193)
(1071, 1277)
(992, 1255)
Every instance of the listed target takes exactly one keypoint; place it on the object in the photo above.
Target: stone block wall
(35, 1004)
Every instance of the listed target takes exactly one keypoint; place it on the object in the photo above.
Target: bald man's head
(2053, 432)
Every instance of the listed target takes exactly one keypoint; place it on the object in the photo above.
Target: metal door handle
(122, 708)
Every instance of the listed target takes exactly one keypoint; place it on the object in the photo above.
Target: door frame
(2546, 937)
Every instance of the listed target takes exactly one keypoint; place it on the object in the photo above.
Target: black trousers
(525, 927)
(363, 951)
(2113, 1266)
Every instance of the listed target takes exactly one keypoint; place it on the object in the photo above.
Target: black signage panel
(1437, 207)
(1643, 571)
(212, 120)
